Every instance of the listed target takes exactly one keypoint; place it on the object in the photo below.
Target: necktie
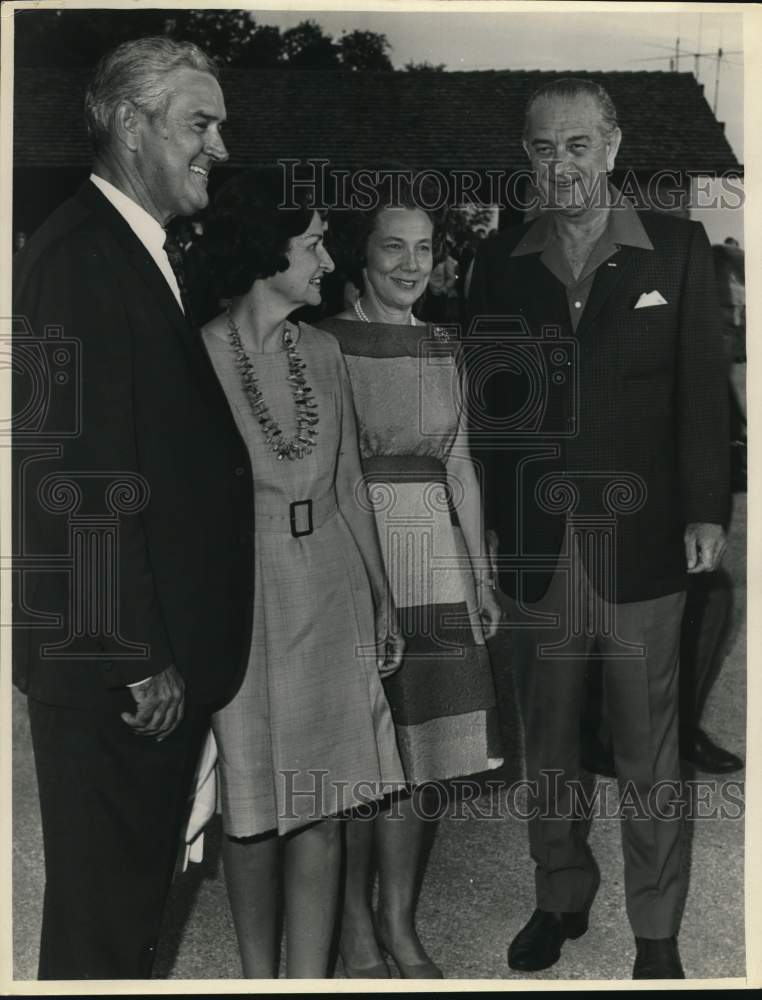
(177, 263)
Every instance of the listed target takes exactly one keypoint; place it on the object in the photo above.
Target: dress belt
(404, 469)
(300, 517)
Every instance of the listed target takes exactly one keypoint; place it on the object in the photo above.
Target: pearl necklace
(306, 407)
(363, 317)
(360, 312)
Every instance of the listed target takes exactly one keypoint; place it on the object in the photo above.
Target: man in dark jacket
(595, 341)
(133, 514)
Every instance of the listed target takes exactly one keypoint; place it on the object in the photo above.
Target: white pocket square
(650, 299)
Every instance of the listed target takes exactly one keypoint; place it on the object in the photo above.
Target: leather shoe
(698, 749)
(657, 958)
(538, 945)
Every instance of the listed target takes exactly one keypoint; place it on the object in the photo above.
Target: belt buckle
(292, 517)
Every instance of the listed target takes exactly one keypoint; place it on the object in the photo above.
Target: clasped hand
(160, 704)
(490, 612)
(390, 645)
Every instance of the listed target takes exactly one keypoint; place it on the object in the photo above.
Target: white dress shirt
(144, 226)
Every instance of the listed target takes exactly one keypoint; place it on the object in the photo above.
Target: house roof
(447, 121)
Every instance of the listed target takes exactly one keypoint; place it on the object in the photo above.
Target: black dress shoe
(538, 945)
(657, 958)
(597, 757)
(698, 749)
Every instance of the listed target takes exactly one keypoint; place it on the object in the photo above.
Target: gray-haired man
(603, 507)
(155, 632)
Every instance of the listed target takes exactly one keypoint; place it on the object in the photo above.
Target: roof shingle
(444, 121)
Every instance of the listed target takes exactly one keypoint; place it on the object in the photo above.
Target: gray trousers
(638, 646)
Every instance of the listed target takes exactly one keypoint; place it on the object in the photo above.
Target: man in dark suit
(132, 617)
(596, 342)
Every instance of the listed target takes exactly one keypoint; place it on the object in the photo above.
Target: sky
(566, 40)
(573, 41)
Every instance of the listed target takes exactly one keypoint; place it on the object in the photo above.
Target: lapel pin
(611, 264)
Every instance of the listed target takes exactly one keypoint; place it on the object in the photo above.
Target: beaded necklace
(306, 407)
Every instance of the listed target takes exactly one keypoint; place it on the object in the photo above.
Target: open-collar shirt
(623, 228)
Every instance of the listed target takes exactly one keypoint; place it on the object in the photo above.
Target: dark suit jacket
(149, 409)
(636, 397)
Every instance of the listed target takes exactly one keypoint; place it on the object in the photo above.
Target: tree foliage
(78, 37)
(307, 47)
(232, 37)
(424, 67)
(364, 50)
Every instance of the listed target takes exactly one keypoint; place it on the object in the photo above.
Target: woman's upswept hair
(137, 71)
(397, 187)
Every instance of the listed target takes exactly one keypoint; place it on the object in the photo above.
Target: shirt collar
(624, 225)
(537, 237)
(623, 228)
(150, 233)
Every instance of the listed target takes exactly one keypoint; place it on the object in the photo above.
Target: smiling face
(175, 150)
(308, 261)
(399, 257)
(570, 151)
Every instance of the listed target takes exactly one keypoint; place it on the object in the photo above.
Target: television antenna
(720, 58)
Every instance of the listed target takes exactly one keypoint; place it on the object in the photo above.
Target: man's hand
(390, 645)
(490, 612)
(160, 702)
(492, 542)
(704, 546)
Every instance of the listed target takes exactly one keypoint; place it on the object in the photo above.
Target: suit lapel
(140, 259)
(145, 266)
(607, 277)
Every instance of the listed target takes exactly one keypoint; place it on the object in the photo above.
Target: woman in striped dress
(408, 391)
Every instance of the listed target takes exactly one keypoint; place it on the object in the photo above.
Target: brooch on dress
(445, 334)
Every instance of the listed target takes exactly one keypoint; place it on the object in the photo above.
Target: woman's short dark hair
(350, 230)
(248, 228)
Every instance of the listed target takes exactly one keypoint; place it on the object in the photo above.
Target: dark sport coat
(116, 582)
(622, 422)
